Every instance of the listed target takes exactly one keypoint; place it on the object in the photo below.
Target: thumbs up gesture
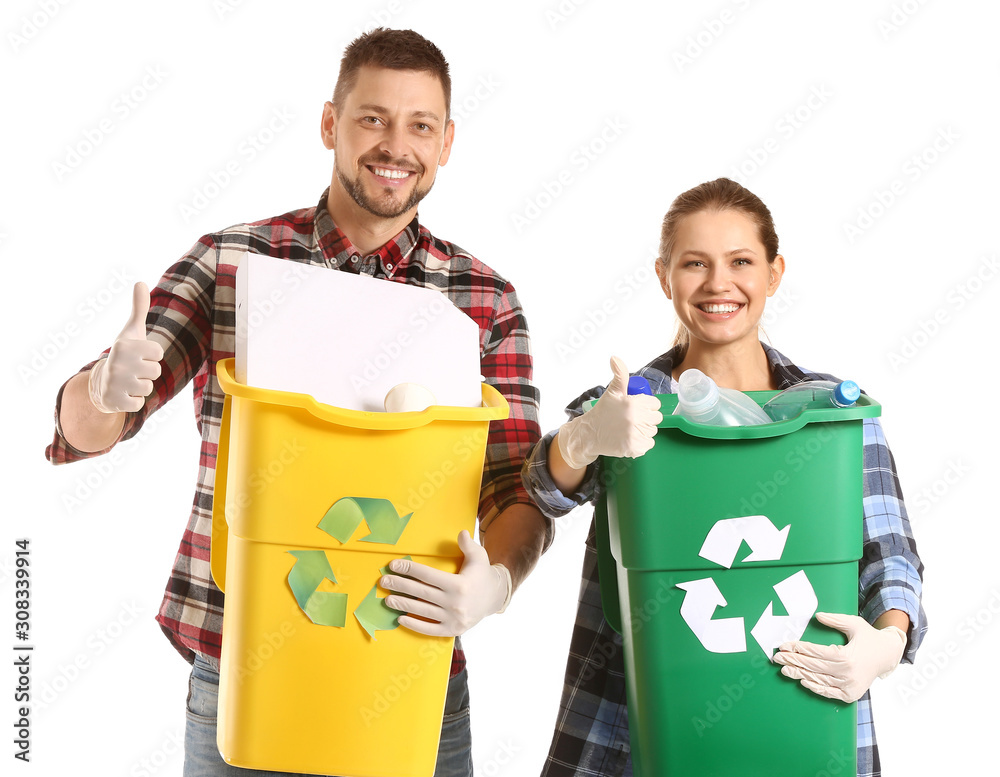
(619, 424)
(122, 382)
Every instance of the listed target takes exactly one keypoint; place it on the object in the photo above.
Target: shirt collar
(340, 253)
(787, 373)
(658, 372)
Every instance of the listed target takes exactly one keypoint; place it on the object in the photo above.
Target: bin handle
(865, 407)
(606, 573)
(220, 529)
(494, 407)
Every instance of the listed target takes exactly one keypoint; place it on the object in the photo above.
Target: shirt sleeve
(506, 365)
(180, 319)
(891, 573)
(538, 481)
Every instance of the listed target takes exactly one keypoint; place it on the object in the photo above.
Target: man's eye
(372, 120)
(423, 127)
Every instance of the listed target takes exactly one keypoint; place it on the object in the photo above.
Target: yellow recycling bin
(311, 503)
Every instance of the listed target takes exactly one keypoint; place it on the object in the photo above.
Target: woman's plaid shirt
(591, 735)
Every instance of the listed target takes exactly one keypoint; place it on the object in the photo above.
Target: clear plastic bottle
(700, 400)
(811, 395)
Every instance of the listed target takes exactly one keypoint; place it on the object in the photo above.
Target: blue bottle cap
(847, 393)
(639, 385)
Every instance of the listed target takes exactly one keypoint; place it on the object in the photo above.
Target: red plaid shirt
(192, 315)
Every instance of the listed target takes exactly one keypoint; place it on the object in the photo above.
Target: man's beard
(385, 206)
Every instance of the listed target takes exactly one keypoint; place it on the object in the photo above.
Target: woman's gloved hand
(618, 424)
(843, 672)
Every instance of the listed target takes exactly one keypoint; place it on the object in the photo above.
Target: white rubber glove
(457, 602)
(843, 672)
(617, 425)
(121, 383)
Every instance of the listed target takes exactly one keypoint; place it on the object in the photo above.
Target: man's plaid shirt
(193, 316)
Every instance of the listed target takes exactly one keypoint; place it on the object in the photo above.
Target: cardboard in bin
(711, 547)
(363, 697)
(346, 339)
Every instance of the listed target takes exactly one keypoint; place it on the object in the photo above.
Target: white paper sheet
(347, 339)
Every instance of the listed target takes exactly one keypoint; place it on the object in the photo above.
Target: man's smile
(390, 173)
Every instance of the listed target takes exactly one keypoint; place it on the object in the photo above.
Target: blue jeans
(201, 754)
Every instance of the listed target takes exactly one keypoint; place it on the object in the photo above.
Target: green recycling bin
(715, 547)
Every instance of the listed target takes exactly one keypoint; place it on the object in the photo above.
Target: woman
(718, 263)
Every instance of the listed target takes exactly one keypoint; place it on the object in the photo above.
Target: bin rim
(866, 407)
(494, 406)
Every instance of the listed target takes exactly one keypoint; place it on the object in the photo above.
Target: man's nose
(393, 141)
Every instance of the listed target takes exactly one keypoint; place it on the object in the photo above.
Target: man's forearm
(84, 426)
(516, 538)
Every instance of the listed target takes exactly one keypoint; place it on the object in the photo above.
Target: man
(389, 128)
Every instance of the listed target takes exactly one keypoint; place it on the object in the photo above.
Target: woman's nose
(718, 279)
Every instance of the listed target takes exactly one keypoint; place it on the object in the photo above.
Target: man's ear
(328, 126)
(449, 138)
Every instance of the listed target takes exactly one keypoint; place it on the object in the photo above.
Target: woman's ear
(777, 271)
(661, 273)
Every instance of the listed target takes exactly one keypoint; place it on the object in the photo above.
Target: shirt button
(389, 266)
(354, 260)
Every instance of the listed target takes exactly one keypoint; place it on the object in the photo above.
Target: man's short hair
(393, 49)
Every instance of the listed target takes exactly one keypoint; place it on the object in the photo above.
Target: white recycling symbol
(702, 597)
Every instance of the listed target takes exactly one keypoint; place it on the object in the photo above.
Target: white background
(661, 96)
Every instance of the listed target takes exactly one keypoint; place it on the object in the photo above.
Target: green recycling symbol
(345, 515)
(702, 597)
(312, 567)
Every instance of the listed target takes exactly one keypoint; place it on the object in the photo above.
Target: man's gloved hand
(456, 601)
(843, 672)
(617, 425)
(121, 383)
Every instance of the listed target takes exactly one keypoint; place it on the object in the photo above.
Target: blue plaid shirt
(591, 736)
